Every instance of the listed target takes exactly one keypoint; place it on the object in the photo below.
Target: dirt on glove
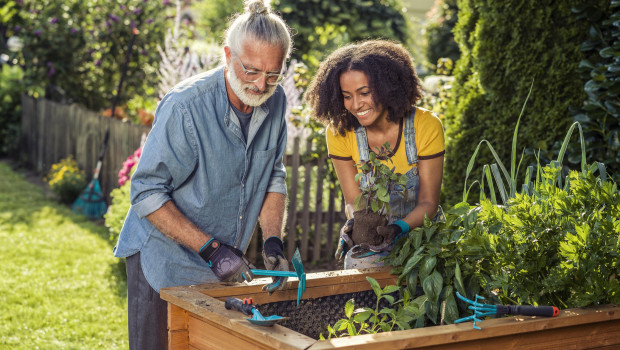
(365, 227)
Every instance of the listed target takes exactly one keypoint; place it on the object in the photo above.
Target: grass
(60, 287)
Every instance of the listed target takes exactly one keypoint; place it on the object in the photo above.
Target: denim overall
(399, 206)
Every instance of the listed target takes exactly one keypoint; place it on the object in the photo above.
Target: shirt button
(241, 217)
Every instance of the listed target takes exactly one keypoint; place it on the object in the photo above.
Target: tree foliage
(316, 23)
(438, 35)
(74, 50)
(493, 76)
(600, 70)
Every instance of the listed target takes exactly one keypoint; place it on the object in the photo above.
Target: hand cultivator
(482, 310)
(299, 273)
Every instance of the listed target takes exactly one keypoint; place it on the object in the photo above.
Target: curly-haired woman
(365, 94)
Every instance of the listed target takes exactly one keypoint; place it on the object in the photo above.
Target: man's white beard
(239, 88)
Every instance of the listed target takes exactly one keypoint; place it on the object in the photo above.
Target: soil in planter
(313, 315)
(365, 227)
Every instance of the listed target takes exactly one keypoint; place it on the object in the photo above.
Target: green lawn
(60, 286)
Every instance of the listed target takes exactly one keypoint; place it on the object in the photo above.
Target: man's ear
(227, 54)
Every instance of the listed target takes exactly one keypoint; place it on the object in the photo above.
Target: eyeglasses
(252, 76)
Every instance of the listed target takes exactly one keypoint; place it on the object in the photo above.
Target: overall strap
(362, 143)
(410, 146)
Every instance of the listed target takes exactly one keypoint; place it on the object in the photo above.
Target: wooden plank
(305, 219)
(318, 284)
(330, 222)
(207, 335)
(292, 207)
(254, 246)
(318, 208)
(178, 340)
(178, 334)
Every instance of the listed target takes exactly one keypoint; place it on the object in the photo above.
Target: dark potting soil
(365, 227)
(313, 315)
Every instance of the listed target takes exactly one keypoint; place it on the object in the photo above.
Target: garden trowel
(251, 310)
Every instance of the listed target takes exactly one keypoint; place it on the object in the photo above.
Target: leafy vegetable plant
(370, 321)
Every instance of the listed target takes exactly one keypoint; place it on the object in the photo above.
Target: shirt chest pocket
(261, 167)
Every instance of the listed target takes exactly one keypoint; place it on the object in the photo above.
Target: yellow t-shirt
(429, 141)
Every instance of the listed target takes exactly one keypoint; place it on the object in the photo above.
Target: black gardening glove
(390, 234)
(345, 242)
(273, 256)
(226, 262)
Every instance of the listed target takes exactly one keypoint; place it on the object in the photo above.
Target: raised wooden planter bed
(197, 319)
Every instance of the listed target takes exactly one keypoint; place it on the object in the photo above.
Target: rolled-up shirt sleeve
(277, 182)
(168, 158)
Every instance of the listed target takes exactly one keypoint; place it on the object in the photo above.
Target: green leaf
(390, 289)
(412, 262)
(375, 286)
(458, 279)
(412, 279)
(362, 316)
(432, 286)
(451, 312)
(349, 307)
(351, 329)
(427, 266)
(389, 298)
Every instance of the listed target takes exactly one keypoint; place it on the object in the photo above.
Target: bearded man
(210, 168)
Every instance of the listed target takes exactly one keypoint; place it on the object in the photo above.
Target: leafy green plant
(438, 259)
(117, 211)
(11, 88)
(121, 196)
(374, 320)
(600, 71)
(559, 245)
(66, 179)
(382, 180)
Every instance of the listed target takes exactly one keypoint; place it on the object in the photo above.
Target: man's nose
(261, 83)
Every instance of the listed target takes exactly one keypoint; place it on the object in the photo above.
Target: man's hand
(345, 243)
(273, 256)
(226, 262)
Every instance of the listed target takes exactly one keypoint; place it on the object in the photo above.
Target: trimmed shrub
(498, 64)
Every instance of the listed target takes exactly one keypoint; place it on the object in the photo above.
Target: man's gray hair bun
(256, 7)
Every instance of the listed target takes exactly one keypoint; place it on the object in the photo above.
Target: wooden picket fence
(53, 131)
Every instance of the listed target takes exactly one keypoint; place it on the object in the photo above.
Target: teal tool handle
(274, 273)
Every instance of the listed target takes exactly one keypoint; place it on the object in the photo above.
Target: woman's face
(357, 98)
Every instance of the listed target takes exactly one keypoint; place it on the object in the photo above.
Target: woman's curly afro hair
(394, 83)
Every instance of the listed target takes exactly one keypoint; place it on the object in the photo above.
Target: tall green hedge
(505, 46)
(600, 70)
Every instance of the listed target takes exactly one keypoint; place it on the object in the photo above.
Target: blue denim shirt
(196, 156)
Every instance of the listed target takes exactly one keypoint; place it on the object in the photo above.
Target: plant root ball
(365, 227)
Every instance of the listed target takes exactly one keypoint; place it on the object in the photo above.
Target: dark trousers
(147, 312)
